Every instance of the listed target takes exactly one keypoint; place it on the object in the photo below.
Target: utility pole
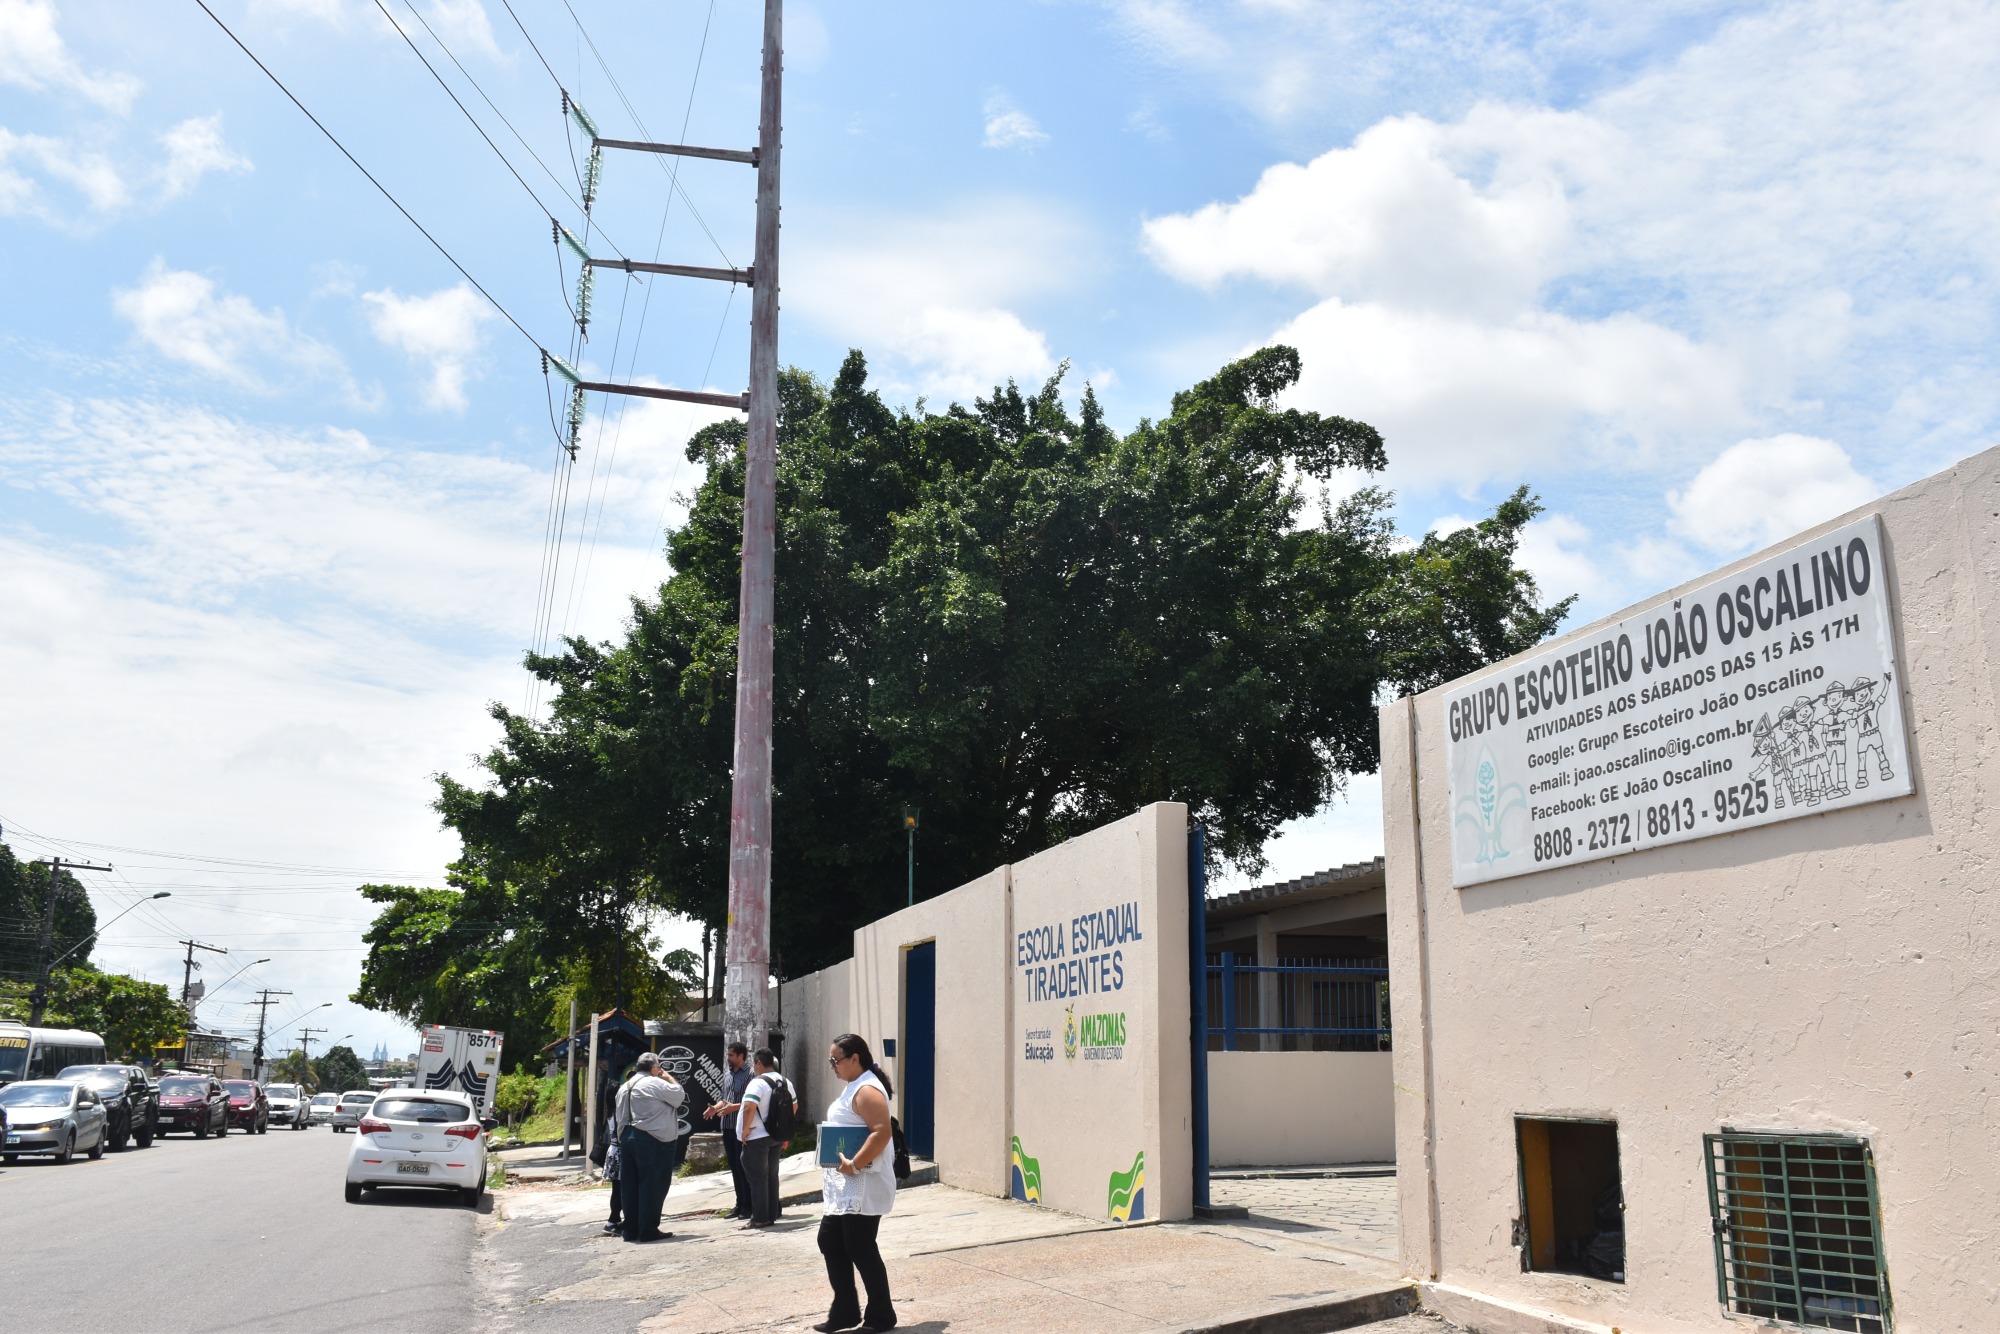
(306, 1042)
(187, 974)
(745, 1017)
(56, 867)
(264, 1000)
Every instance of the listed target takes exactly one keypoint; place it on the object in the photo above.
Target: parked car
(412, 1138)
(322, 1108)
(129, 1100)
(53, 1116)
(347, 1112)
(248, 1106)
(289, 1105)
(197, 1104)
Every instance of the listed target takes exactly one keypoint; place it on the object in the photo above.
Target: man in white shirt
(761, 1151)
(648, 1121)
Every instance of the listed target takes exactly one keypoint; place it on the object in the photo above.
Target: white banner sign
(1763, 696)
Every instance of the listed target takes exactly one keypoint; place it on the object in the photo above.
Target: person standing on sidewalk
(859, 1191)
(725, 1112)
(769, 1100)
(648, 1120)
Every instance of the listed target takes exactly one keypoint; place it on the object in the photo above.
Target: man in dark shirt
(726, 1112)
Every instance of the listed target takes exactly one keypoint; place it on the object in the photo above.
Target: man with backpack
(770, 1114)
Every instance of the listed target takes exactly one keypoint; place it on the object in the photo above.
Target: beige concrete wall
(970, 926)
(1838, 972)
(1286, 1108)
(1084, 1115)
(818, 1008)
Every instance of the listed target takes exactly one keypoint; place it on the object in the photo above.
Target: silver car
(353, 1104)
(53, 1116)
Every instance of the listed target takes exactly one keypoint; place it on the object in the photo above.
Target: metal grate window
(1798, 1234)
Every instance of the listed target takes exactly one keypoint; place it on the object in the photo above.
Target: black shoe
(828, 1326)
(657, 1236)
(735, 1214)
(890, 1325)
(613, 1229)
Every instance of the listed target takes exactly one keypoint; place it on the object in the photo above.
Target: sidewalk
(957, 1260)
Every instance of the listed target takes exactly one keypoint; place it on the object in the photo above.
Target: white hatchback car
(412, 1138)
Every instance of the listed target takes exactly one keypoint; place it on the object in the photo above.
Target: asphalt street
(248, 1232)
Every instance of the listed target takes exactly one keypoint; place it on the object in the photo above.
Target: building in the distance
(1694, 938)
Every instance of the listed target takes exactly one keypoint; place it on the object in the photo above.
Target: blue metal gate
(919, 1091)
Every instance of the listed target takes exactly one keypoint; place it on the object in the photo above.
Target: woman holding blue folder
(859, 1186)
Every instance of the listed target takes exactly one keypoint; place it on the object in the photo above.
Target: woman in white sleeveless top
(858, 1192)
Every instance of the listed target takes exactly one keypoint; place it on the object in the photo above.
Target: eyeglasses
(836, 1061)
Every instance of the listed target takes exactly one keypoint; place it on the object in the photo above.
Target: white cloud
(1757, 492)
(185, 317)
(1745, 235)
(34, 56)
(935, 299)
(91, 174)
(1463, 401)
(1390, 219)
(1007, 126)
(462, 24)
(440, 332)
(195, 147)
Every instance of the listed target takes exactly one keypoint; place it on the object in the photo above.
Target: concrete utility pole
(187, 973)
(264, 999)
(745, 1017)
(56, 867)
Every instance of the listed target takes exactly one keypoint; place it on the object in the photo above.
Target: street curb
(1344, 1311)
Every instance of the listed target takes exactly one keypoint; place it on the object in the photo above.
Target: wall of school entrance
(1086, 1123)
(1833, 973)
(1291, 1108)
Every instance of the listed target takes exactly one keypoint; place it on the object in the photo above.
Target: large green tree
(340, 1070)
(1009, 616)
(24, 888)
(132, 1016)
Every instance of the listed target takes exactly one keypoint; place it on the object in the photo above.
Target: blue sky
(274, 483)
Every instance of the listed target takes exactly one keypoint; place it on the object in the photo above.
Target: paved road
(244, 1233)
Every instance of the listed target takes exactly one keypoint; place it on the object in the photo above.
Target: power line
(519, 137)
(332, 139)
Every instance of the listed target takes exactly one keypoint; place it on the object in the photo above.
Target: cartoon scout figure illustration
(1766, 744)
(1865, 701)
(1791, 754)
(1835, 703)
(1812, 750)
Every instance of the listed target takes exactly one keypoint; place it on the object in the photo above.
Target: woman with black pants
(858, 1192)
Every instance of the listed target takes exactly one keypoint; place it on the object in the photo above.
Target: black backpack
(781, 1117)
(901, 1145)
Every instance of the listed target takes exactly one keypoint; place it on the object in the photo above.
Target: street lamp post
(910, 814)
(163, 894)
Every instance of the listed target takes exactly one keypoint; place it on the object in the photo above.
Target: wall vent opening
(1572, 1200)
(1798, 1233)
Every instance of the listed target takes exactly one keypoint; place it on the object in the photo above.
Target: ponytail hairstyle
(853, 1044)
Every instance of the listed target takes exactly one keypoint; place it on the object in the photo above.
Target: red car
(197, 1104)
(248, 1107)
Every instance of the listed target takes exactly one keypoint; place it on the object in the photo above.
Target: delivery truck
(466, 1060)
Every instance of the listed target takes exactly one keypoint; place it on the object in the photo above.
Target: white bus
(39, 1053)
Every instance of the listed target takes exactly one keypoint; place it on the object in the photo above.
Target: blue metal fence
(1301, 1004)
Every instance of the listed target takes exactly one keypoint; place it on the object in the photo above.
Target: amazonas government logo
(1069, 1033)
(1100, 1037)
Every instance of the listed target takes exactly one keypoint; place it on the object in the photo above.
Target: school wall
(1833, 973)
(1290, 1108)
(817, 1009)
(1094, 1117)
(970, 926)
(1107, 1123)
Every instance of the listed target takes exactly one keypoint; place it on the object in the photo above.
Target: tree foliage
(294, 1067)
(24, 888)
(339, 1070)
(1009, 616)
(132, 1016)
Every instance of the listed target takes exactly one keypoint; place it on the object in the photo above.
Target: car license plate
(13, 1139)
(413, 1169)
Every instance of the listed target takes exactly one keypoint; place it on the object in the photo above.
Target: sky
(277, 478)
